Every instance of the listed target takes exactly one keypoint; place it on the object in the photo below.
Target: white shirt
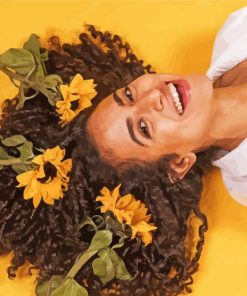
(230, 48)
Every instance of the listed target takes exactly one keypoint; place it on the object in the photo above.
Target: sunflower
(128, 210)
(76, 97)
(49, 180)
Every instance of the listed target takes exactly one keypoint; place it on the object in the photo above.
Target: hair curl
(48, 236)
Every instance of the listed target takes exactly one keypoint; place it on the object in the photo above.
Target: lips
(184, 90)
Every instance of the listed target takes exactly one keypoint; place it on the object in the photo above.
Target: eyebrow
(129, 123)
(117, 99)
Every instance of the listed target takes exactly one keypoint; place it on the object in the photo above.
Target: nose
(152, 100)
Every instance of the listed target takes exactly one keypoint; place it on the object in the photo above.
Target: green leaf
(101, 239)
(44, 56)
(69, 288)
(14, 140)
(25, 147)
(4, 154)
(33, 45)
(26, 151)
(99, 267)
(52, 80)
(109, 273)
(109, 265)
(121, 271)
(21, 168)
(49, 86)
(19, 165)
(45, 288)
(18, 59)
(88, 221)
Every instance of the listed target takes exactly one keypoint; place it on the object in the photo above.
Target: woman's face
(141, 121)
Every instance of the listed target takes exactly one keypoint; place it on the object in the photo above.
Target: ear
(181, 164)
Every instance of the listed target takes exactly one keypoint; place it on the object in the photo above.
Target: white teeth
(176, 98)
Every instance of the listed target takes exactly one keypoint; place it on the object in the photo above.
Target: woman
(152, 118)
(47, 235)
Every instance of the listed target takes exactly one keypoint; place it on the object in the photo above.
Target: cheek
(169, 134)
(174, 137)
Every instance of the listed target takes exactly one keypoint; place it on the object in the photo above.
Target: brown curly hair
(48, 236)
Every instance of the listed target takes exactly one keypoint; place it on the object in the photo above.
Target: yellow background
(175, 37)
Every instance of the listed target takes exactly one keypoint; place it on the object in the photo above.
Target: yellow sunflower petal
(59, 155)
(146, 237)
(104, 209)
(35, 187)
(39, 159)
(51, 153)
(127, 216)
(37, 200)
(85, 103)
(86, 86)
(141, 227)
(55, 188)
(64, 90)
(140, 214)
(133, 206)
(40, 172)
(25, 178)
(124, 201)
(27, 194)
(64, 167)
(115, 192)
(147, 218)
(60, 104)
(92, 95)
(73, 97)
(106, 201)
(48, 200)
(69, 115)
(118, 215)
(75, 82)
(105, 191)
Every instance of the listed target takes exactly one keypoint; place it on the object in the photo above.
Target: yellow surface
(175, 37)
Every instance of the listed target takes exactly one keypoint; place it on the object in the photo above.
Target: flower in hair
(49, 180)
(128, 210)
(76, 97)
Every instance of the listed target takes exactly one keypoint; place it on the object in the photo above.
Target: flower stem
(13, 162)
(16, 76)
(80, 262)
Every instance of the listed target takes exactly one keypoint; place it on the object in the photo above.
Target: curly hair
(48, 236)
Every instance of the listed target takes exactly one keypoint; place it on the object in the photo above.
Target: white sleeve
(230, 45)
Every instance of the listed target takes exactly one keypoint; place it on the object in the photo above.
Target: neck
(228, 126)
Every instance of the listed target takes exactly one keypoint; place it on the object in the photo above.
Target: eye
(142, 126)
(128, 94)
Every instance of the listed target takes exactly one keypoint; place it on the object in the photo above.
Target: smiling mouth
(183, 90)
(178, 94)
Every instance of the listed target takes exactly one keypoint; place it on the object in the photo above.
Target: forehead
(107, 124)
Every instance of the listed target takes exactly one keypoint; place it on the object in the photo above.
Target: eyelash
(144, 130)
(130, 99)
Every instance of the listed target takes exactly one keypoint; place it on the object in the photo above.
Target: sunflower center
(74, 104)
(50, 172)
